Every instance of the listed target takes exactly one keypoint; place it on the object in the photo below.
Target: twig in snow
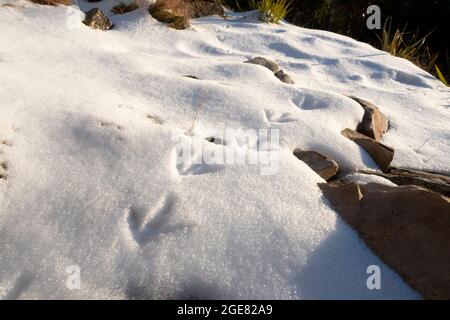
(197, 113)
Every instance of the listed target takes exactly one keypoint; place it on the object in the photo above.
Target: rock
(53, 2)
(96, 19)
(374, 124)
(407, 227)
(272, 66)
(180, 23)
(321, 164)
(380, 153)
(436, 182)
(162, 14)
(284, 77)
(203, 8)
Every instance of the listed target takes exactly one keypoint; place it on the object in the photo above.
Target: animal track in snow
(188, 164)
(4, 163)
(22, 282)
(155, 119)
(273, 118)
(6, 142)
(3, 170)
(147, 226)
(198, 169)
(110, 125)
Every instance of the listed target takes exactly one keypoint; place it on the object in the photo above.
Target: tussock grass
(271, 11)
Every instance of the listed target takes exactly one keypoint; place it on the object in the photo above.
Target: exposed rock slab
(96, 19)
(380, 153)
(321, 164)
(203, 8)
(374, 124)
(180, 23)
(284, 77)
(436, 182)
(272, 66)
(407, 227)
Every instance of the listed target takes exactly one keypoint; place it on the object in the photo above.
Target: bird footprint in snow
(147, 226)
(284, 118)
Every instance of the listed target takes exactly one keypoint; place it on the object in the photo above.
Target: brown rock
(53, 2)
(272, 66)
(162, 14)
(284, 77)
(203, 8)
(180, 23)
(381, 153)
(321, 164)
(96, 19)
(436, 182)
(407, 227)
(374, 124)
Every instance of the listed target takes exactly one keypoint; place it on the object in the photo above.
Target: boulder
(321, 164)
(436, 182)
(407, 227)
(96, 19)
(374, 124)
(380, 153)
(284, 77)
(272, 66)
(162, 14)
(203, 8)
(180, 23)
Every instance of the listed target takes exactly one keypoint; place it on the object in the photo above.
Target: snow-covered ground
(90, 122)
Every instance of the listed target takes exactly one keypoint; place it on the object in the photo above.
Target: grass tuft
(271, 11)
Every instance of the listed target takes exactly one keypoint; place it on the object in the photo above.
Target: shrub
(398, 45)
(271, 10)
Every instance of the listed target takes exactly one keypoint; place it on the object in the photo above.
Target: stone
(284, 77)
(380, 153)
(203, 8)
(180, 23)
(374, 124)
(96, 19)
(433, 181)
(163, 14)
(272, 66)
(407, 227)
(321, 164)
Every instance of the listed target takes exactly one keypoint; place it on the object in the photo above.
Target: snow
(95, 118)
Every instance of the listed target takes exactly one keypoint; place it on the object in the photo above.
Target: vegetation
(441, 76)
(349, 18)
(272, 11)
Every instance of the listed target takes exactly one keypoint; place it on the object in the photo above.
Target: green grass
(441, 76)
(271, 11)
(398, 44)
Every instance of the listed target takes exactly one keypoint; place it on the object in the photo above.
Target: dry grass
(52, 2)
